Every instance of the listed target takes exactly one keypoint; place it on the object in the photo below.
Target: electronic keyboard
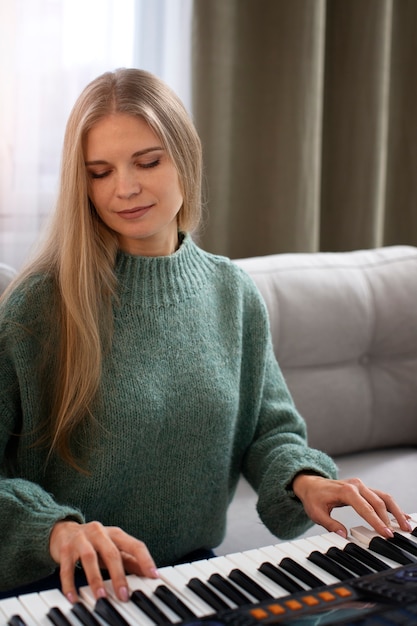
(323, 579)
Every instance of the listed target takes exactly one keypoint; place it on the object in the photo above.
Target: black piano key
(109, 613)
(145, 604)
(301, 573)
(329, 565)
(383, 547)
(280, 577)
(248, 584)
(56, 616)
(229, 590)
(405, 544)
(365, 557)
(208, 595)
(349, 562)
(84, 615)
(173, 602)
(16, 620)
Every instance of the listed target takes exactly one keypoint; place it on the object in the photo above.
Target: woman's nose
(128, 185)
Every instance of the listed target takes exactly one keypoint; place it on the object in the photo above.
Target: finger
(393, 508)
(66, 574)
(135, 553)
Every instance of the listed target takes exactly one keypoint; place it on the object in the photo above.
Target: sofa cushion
(7, 273)
(344, 328)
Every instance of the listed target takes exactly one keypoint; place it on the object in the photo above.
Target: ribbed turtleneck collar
(166, 280)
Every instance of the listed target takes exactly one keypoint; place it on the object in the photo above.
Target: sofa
(344, 328)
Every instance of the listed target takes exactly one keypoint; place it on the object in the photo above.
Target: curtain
(307, 110)
(50, 49)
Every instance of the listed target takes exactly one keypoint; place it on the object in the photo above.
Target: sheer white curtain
(49, 50)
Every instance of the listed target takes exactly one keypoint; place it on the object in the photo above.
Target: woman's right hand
(96, 546)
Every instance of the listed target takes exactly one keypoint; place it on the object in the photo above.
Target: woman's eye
(95, 175)
(150, 164)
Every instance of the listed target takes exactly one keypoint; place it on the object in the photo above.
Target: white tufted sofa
(344, 328)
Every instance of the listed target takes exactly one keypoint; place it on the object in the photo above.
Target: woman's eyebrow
(134, 155)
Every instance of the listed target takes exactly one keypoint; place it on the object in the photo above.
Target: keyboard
(364, 577)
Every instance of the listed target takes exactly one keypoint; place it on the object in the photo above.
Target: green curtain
(307, 110)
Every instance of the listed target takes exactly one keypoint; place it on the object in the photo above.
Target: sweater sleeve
(279, 449)
(27, 511)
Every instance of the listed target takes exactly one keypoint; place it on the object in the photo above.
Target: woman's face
(133, 184)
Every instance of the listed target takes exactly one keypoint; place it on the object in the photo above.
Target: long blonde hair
(79, 251)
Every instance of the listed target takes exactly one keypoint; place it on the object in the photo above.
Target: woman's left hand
(320, 496)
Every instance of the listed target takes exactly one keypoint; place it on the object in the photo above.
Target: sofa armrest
(344, 328)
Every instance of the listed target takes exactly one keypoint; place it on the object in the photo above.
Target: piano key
(109, 613)
(174, 602)
(149, 608)
(223, 566)
(383, 547)
(12, 606)
(280, 577)
(16, 620)
(148, 586)
(366, 556)
(356, 567)
(55, 599)
(126, 610)
(203, 589)
(379, 545)
(312, 575)
(229, 589)
(176, 578)
(249, 562)
(329, 565)
(248, 584)
(207, 594)
(404, 543)
(204, 569)
(36, 607)
(57, 617)
(84, 615)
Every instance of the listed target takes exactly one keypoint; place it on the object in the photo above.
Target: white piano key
(323, 542)
(3, 619)
(36, 607)
(12, 606)
(224, 566)
(249, 562)
(148, 586)
(204, 569)
(178, 584)
(190, 570)
(300, 557)
(54, 598)
(122, 607)
(132, 614)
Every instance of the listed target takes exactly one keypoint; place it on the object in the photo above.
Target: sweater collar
(162, 281)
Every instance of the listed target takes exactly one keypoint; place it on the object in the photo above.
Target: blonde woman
(137, 376)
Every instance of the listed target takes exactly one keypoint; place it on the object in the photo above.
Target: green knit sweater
(191, 398)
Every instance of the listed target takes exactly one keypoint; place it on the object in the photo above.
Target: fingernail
(123, 594)
(101, 593)
(389, 532)
(154, 572)
(71, 597)
(410, 528)
(341, 533)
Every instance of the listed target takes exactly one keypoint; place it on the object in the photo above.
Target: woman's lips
(134, 213)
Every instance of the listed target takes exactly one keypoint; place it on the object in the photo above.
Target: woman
(137, 376)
